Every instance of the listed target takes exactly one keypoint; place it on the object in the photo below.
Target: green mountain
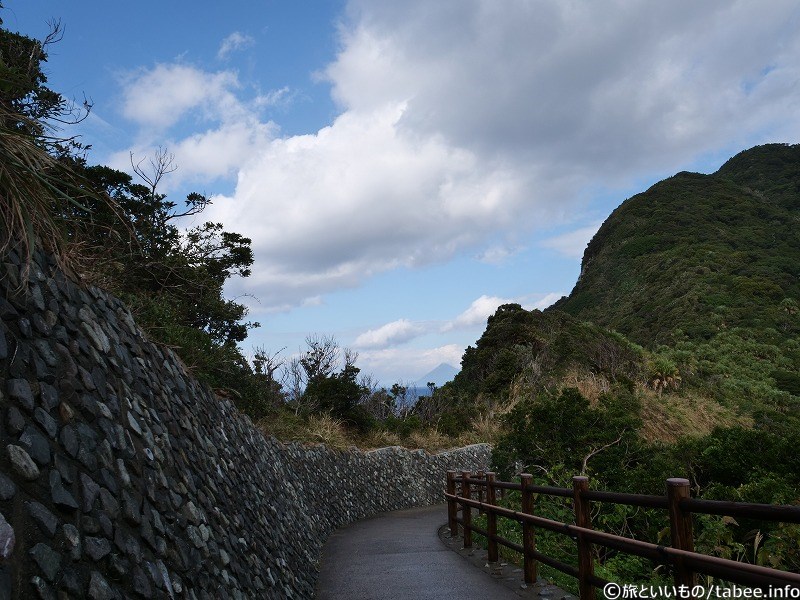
(707, 266)
(696, 254)
(676, 354)
(688, 297)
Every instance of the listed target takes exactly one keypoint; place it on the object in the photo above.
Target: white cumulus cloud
(415, 361)
(391, 334)
(546, 301)
(484, 307)
(477, 313)
(572, 243)
(358, 198)
(159, 97)
(227, 130)
(235, 41)
(465, 125)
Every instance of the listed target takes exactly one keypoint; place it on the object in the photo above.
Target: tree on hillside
(325, 379)
(552, 433)
(33, 108)
(320, 358)
(184, 271)
(119, 234)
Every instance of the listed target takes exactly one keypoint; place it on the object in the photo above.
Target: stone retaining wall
(123, 477)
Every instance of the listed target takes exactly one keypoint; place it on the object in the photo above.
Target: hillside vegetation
(676, 355)
(696, 254)
(690, 289)
(705, 268)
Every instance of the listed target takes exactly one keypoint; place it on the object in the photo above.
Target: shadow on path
(399, 556)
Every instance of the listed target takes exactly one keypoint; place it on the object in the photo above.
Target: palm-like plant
(664, 375)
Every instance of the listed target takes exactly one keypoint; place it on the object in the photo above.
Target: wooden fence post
(583, 518)
(680, 528)
(452, 505)
(491, 517)
(481, 475)
(528, 533)
(466, 511)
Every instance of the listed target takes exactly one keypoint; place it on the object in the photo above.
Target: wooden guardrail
(685, 561)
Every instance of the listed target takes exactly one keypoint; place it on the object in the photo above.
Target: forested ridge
(676, 355)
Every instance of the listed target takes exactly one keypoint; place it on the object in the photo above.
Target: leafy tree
(125, 235)
(339, 394)
(173, 279)
(663, 374)
(400, 395)
(565, 432)
(321, 357)
(30, 106)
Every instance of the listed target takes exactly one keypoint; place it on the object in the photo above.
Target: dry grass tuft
(318, 429)
(37, 193)
(324, 429)
(669, 417)
(30, 181)
(590, 385)
(429, 439)
(486, 428)
(379, 438)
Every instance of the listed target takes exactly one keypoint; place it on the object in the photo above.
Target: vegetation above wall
(120, 232)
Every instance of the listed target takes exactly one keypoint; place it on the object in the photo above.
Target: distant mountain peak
(440, 375)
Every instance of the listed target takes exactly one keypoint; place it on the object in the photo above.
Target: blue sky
(403, 167)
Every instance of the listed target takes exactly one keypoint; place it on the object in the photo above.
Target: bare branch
(586, 458)
(56, 33)
(161, 164)
(266, 362)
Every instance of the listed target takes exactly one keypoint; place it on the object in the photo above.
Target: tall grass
(38, 193)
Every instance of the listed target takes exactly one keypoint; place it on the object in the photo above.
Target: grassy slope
(707, 265)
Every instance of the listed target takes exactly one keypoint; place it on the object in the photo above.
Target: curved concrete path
(398, 556)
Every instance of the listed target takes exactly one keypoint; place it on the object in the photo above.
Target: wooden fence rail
(685, 561)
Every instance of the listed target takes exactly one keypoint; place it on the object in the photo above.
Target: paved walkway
(399, 556)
